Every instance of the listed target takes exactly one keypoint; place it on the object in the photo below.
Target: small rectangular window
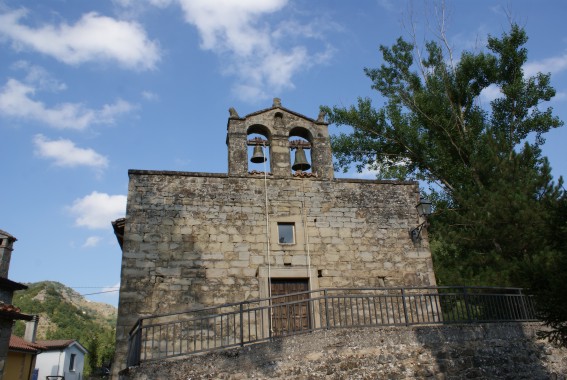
(72, 362)
(286, 233)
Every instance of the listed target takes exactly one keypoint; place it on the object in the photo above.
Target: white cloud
(229, 25)
(92, 241)
(374, 171)
(16, 101)
(138, 3)
(366, 173)
(150, 96)
(109, 112)
(314, 29)
(549, 65)
(66, 154)
(39, 77)
(262, 54)
(160, 3)
(490, 93)
(92, 38)
(111, 288)
(97, 210)
(252, 49)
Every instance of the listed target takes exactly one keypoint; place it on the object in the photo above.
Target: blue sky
(90, 89)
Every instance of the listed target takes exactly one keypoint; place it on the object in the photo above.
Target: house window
(72, 362)
(286, 233)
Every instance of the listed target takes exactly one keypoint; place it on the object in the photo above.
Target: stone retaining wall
(484, 351)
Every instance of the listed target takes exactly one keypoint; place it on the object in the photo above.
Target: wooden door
(290, 314)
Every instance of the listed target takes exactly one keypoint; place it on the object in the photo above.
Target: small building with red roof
(63, 357)
(21, 360)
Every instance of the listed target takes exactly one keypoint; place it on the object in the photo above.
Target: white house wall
(49, 363)
(56, 363)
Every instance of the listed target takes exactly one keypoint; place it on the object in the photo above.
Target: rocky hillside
(65, 314)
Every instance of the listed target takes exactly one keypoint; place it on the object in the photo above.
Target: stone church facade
(193, 240)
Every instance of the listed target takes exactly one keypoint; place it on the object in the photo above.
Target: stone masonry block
(216, 273)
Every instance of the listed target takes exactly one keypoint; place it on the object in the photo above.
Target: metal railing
(238, 324)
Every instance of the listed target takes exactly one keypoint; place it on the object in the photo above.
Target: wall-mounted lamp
(423, 209)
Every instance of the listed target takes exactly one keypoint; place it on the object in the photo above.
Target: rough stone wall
(486, 351)
(5, 332)
(278, 124)
(200, 239)
(6, 296)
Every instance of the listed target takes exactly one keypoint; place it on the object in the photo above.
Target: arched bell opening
(300, 145)
(258, 141)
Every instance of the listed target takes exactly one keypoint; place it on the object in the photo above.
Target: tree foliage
(493, 192)
(433, 125)
(547, 274)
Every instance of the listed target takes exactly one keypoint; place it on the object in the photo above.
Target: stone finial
(277, 102)
(321, 117)
(233, 113)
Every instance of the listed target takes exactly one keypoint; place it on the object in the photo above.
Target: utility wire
(90, 287)
(106, 291)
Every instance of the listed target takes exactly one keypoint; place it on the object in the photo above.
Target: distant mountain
(65, 314)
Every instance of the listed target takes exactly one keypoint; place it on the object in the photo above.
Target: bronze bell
(258, 155)
(300, 162)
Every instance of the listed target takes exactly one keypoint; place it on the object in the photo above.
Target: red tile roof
(9, 308)
(12, 312)
(54, 344)
(17, 343)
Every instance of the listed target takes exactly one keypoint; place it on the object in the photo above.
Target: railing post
(270, 311)
(466, 299)
(326, 294)
(405, 307)
(523, 303)
(241, 324)
(139, 340)
(135, 346)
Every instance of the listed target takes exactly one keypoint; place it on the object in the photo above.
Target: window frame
(72, 362)
(299, 240)
(282, 232)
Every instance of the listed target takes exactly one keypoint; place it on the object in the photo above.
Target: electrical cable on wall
(267, 236)
(306, 234)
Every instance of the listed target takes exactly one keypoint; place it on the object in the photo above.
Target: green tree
(547, 275)
(93, 355)
(492, 189)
